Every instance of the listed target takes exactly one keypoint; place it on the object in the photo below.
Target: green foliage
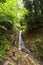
(16, 55)
(5, 46)
(39, 47)
(12, 11)
(34, 19)
(11, 63)
(2, 54)
(26, 40)
(2, 27)
(2, 1)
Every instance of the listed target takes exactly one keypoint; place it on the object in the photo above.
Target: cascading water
(21, 43)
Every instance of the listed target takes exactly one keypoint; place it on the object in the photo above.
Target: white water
(21, 43)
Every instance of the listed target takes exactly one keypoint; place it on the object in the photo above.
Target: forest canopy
(12, 11)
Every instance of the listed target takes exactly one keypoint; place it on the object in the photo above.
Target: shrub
(39, 46)
(5, 46)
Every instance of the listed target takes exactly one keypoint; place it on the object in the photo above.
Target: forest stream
(23, 56)
(21, 32)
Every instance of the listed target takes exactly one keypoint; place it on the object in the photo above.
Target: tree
(12, 12)
(34, 19)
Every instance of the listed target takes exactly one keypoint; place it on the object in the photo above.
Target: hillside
(20, 58)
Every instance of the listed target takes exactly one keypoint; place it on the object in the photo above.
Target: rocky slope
(17, 57)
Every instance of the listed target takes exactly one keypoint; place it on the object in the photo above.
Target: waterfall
(21, 43)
